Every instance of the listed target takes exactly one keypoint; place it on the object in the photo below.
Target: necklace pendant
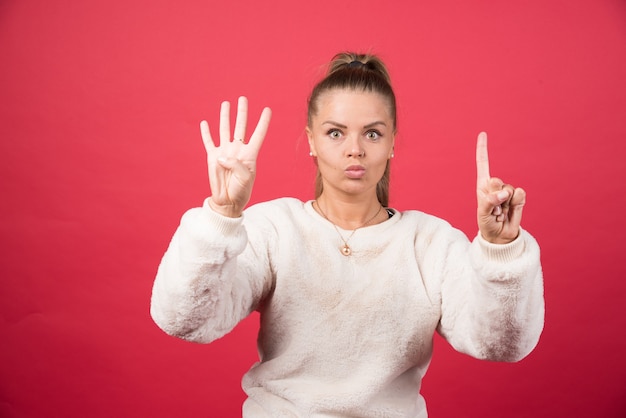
(346, 250)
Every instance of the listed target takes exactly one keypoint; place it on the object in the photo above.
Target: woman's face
(352, 136)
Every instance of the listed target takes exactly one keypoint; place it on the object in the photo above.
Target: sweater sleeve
(492, 298)
(209, 278)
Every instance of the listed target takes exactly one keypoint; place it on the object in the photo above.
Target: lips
(355, 171)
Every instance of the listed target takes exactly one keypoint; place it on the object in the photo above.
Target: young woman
(349, 290)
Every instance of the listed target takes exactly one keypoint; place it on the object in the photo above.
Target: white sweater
(346, 336)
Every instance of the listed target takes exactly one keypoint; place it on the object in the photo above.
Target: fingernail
(221, 159)
(503, 195)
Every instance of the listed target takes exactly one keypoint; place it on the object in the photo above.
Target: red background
(101, 154)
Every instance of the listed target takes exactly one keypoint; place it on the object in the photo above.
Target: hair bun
(357, 64)
(352, 60)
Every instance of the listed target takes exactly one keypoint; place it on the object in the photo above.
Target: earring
(310, 153)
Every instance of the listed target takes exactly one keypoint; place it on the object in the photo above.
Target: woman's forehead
(353, 104)
(351, 94)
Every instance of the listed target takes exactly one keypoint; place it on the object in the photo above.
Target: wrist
(229, 211)
(503, 252)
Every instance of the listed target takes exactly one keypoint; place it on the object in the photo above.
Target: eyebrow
(339, 125)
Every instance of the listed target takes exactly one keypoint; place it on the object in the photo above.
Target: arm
(195, 295)
(492, 296)
(210, 276)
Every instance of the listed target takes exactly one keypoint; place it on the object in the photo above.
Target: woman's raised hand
(232, 164)
(500, 205)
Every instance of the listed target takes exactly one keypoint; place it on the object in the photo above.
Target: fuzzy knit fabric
(346, 336)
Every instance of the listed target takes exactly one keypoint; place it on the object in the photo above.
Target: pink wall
(100, 155)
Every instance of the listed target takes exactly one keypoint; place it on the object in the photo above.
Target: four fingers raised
(239, 133)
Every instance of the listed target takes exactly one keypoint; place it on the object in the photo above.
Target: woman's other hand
(500, 205)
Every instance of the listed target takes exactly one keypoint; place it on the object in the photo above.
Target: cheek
(380, 164)
(380, 169)
(325, 161)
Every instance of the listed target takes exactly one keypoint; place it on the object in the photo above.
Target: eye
(373, 135)
(334, 134)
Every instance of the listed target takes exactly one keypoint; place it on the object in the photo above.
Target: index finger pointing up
(482, 160)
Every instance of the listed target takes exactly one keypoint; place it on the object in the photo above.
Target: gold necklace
(346, 250)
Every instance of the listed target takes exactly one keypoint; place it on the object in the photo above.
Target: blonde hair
(359, 72)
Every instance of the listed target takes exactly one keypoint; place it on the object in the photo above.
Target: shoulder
(283, 204)
(428, 227)
(422, 219)
(281, 210)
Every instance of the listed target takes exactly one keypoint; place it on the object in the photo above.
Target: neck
(350, 214)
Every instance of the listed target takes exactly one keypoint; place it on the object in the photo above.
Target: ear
(393, 145)
(309, 136)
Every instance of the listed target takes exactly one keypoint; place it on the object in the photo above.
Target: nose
(355, 148)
